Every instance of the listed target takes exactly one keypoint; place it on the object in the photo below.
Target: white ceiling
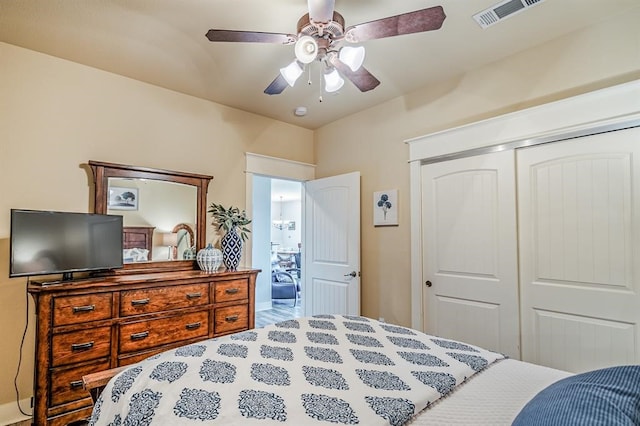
(162, 42)
(285, 190)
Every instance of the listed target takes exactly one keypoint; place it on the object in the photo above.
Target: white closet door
(579, 227)
(470, 251)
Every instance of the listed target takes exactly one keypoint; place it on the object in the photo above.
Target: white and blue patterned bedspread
(314, 370)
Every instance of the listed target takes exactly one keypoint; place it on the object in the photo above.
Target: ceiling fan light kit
(291, 72)
(320, 36)
(332, 80)
(306, 49)
(353, 57)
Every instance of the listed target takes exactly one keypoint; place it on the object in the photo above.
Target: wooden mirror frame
(103, 171)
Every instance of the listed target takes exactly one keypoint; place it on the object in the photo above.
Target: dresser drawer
(83, 345)
(140, 335)
(231, 318)
(225, 291)
(135, 302)
(80, 309)
(66, 384)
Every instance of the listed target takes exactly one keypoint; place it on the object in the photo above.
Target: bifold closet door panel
(470, 251)
(579, 230)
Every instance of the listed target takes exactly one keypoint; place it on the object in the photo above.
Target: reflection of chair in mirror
(284, 285)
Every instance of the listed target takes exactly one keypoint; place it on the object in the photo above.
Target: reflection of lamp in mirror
(170, 239)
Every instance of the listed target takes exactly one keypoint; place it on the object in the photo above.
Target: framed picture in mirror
(123, 198)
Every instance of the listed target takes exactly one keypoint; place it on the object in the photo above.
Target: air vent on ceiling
(503, 10)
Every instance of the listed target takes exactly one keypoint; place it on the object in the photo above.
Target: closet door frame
(609, 109)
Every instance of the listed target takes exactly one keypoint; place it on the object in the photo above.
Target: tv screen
(47, 242)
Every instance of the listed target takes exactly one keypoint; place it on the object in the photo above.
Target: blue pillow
(610, 396)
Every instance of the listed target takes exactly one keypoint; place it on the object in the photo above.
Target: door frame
(613, 108)
(274, 168)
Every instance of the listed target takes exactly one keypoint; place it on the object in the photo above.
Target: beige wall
(372, 141)
(56, 115)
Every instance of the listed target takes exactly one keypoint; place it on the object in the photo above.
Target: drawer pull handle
(139, 302)
(140, 336)
(232, 290)
(75, 384)
(231, 318)
(193, 325)
(87, 308)
(194, 295)
(82, 346)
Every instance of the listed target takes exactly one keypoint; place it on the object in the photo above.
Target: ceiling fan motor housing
(333, 29)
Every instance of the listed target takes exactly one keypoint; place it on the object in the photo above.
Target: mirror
(164, 213)
(185, 246)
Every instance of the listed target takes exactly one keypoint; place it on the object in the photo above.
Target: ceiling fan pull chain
(320, 86)
(309, 81)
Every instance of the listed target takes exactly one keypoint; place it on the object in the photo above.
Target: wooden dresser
(89, 325)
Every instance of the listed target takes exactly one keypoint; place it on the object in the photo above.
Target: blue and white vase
(189, 253)
(209, 258)
(231, 245)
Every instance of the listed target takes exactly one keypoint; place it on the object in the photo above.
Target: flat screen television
(48, 242)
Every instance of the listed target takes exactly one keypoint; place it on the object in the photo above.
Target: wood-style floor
(280, 311)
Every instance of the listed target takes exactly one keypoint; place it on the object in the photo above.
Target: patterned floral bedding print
(327, 369)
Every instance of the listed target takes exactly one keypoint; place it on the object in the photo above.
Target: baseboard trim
(9, 412)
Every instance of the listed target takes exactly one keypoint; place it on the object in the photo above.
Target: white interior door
(470, 251)
(331, 244)
(579, 207)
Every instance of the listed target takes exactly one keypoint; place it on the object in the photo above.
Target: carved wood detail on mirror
(153, 198)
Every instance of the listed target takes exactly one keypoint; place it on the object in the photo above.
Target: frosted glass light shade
(306, 49)
(353, 57)
(291, 72)
(333, 81)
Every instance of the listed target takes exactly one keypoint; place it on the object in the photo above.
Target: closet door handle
(428, 284)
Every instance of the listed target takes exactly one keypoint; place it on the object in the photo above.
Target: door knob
(352, 274)
(428, 284)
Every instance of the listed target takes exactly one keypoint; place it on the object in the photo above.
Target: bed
(137, 243)
(335, 369)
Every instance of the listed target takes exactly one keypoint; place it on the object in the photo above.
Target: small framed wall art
(385, 208)
(123, 198)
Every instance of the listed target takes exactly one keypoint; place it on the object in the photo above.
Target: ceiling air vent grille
(502, 10)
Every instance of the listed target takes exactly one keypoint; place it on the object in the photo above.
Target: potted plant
(233, 222)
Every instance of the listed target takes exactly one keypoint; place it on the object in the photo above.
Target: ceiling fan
(322, 36)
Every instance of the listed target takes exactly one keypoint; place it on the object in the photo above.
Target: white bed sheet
(493, 397)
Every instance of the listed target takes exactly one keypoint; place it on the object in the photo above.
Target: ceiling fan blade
(406, 23)
(277, 86)
(321, 10)
(250, 36)
(361, 78)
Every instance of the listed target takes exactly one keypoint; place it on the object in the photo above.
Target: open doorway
(277, 248)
